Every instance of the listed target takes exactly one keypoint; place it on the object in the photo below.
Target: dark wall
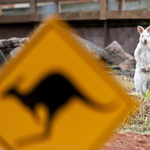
(124, 32)
(127, 37)
(93, 34)
(15, 30)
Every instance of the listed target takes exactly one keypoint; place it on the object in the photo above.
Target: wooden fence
(103, 14)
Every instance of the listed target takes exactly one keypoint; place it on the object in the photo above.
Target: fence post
(121, 5)
(105, 33)
(103, 10)
(103, 13)
(57, 7)
(32, 7)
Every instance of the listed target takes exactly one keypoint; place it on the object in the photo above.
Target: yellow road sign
(54, 96)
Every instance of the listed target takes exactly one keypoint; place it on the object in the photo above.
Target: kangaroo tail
(99, 106)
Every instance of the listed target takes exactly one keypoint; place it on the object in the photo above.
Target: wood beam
(26, 1)
(110, 15)
(21, 18)
(57, 6)
(128, 14)
(38, 17)
(103, 10)
(121, 5)
(80, 16)
(32, 7)
(0, 11)
(105, 33)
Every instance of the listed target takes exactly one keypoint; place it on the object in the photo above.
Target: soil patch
(127, 73)
(128, 141)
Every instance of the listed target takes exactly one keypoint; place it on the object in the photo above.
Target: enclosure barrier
(103, 14)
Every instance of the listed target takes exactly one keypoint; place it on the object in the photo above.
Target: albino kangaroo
(142, 57)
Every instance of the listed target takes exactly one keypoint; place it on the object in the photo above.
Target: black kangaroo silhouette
(54, 91)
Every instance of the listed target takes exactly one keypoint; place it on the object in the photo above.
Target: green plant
(147, 95)
(138, 94)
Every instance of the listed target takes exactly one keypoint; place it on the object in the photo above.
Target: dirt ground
(128, 141)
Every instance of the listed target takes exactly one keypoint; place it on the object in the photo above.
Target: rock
(127, 64)
(14, 53)
(12, 42)
(113, 55)
(116, 55)
(2, 58)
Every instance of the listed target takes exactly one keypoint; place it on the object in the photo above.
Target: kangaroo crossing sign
(54, 96)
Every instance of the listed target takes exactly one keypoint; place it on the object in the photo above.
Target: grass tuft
(138, 120)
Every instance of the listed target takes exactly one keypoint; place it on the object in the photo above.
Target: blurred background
(98, 21)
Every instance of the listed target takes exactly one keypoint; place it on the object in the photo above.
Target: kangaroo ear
(148, 29)
(140, 29)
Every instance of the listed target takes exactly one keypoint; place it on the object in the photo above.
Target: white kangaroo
(142, 57)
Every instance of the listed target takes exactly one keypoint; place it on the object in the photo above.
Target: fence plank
(21, 18)
(110, 15)
(25, 1)
(80, 16)
(128, 14)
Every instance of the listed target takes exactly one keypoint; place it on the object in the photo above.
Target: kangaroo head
(144, 34)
